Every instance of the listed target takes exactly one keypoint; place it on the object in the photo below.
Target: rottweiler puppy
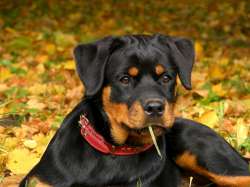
(105, 141)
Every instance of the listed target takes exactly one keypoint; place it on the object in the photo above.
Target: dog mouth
(146, 135)
(157, 129)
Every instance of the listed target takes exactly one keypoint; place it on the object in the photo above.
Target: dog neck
(100, 121)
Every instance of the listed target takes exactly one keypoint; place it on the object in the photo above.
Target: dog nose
(154, 108)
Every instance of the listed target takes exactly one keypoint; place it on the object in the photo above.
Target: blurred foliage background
(39, 86)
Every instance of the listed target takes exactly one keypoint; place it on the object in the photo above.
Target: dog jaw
(117, 114)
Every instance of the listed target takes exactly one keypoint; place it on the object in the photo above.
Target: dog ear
(90, 63)
(182, 54)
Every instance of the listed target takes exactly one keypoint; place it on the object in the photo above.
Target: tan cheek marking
(159, 69)
(133, 71)
(189, 161)
(117, 114)
(168, 115)
(136, 115)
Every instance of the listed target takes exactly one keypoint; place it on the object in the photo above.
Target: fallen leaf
(31, 144)
(63, 39)
(219, 90)
(3, 161)
(3, 87)
(223, 61)
(198, 50)
(17, 161)
(38, 89)
(12, 181)
(216, 72)
(242, 130)
(50, 48)
(34, 103)
(5, 74)
(70, 65)
(247, 155)
(40, 68)
(74, 93)
(41, 139)
(41, 58)
(1, 23)
(202, 93)
(209, 118)
(11, 142)
(56, 89)
(228, 126)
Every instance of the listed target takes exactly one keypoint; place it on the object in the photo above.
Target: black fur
(70, 161)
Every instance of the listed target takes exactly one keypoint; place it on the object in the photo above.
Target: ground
(39, 86)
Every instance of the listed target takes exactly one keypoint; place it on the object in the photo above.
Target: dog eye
(125, 80)
(165, 78)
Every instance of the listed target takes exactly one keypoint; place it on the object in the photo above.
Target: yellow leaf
(57, 89)
(42, 139)
(38, 89)
(50, 48)
(4, 74)
(198, 49)
(64, 40)
(242, 130)
(223, 61)
(75, 17)
(219, 90)
(11, 143)
(31, 144)
(216, 72)
(41, 58)
(20, 161)
(209, 118)
(40, 68)
(34, 103)
(40, 149)
(246, 103)
(70, 65)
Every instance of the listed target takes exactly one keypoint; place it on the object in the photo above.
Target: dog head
(136, 78)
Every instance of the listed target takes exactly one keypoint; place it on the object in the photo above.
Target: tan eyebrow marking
(159, 69)
(133, 71)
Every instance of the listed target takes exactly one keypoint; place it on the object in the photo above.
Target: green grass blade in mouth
(154, 141)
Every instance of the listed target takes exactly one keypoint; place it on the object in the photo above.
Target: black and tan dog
(130, 84)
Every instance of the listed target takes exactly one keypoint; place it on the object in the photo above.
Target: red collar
(100, 144)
